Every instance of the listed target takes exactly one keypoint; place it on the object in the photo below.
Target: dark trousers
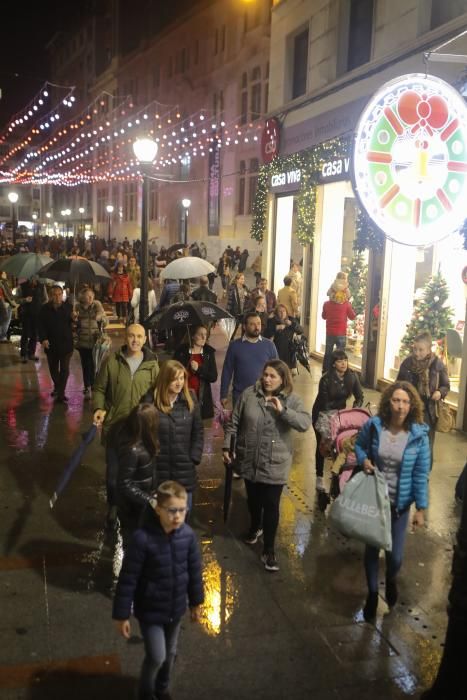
(337, 341)
(121, 309)
(59, 367)
(319, 459)
(87, 365)
(28, 336)
(263, 505)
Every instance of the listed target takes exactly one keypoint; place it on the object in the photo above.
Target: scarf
(421, 369)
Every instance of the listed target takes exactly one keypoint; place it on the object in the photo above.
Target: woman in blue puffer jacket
(396, 442)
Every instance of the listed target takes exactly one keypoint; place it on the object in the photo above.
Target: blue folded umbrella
(73, 463)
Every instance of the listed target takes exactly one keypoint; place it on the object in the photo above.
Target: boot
(371, 605)
(391, 592)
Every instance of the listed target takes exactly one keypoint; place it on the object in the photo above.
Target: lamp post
(145, 150)
(109, 209)
(81, 211)
(48, 216)
(13, 197)
(35, 225)
(186, 203)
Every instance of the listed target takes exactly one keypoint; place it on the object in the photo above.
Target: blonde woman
(181, 435)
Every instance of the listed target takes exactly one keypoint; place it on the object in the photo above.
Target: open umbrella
(186, 268)
(75, 270)
(73, 463)
(186, 313)
(229, 469)
(173, 249)
(24, 264)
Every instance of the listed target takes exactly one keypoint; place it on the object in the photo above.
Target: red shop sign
(270, 140)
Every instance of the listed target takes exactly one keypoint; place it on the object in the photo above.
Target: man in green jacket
(128, 375)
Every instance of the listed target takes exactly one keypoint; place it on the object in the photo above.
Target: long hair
(415, 415)
(167, 373)
(142, 426)
(284, 373)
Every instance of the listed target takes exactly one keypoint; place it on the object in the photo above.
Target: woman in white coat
(135, 299)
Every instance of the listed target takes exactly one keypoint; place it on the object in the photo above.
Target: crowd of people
(152, 414)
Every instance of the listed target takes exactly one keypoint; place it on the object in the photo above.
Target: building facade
(328, 58)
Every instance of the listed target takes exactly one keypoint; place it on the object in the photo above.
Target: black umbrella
(186, 313)
(300, 351)
(73, 463)
(75, 270)
(229, 468)
(173, 248)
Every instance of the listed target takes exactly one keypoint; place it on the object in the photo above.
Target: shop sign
(286, 181)
(410, 159)
(270, 140)
(336, 169)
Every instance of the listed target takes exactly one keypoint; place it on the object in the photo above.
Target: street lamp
(109, 209)
(145, 151)
(186, 203)
(81, 211)
(13, 197)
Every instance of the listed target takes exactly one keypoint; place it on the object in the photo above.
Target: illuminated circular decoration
(410, 159)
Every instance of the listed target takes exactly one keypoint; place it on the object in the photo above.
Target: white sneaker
(319, 483)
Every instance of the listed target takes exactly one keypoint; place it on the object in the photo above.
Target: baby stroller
(343, 428)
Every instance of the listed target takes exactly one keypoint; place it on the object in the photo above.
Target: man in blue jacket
(245, 358)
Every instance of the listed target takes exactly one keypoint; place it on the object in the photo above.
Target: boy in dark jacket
(161, 570)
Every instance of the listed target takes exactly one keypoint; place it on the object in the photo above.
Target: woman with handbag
(262, 422)
(396, 442)
(429, 376)
(336, 385)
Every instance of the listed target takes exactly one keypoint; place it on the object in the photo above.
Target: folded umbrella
(73, 463)
(24, 264)
(186, 313)
(101, 347)
(300, 350)
(187, 268)
(229, 469)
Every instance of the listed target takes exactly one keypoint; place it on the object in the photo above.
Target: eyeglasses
(173, 511)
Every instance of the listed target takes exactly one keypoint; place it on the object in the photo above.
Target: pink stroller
(344, 426)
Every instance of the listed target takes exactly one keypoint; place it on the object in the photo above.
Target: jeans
(263, 505)
(28, 335)
(6, 323)
(394, 558)
(332, 340)
(59, 367)
(160, 646)
(87, 364)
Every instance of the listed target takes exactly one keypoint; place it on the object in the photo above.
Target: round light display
(410, 159)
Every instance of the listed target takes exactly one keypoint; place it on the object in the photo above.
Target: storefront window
(287, 248)
(407, 271)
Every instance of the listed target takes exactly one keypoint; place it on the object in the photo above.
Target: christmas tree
(430, 313)
(358, 282)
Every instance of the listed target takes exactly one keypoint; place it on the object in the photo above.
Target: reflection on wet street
(294, 634)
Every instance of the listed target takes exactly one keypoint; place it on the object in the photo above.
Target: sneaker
(235, 475)
(319, 483)
(253, 536)
(270, 562)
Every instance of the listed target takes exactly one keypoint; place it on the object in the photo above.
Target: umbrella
(186, 313)
(73, 463)
(75, 270)
(186, 268)
(173, 248)
(300, 350)
(229, 468)
(100, 350)
(24, 264)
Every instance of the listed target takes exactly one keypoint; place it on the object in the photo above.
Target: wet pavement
(294, 634)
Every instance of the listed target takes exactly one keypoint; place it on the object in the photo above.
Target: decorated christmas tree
(430, 313)
(358, 282)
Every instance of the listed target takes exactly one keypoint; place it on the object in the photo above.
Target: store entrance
(287, 248)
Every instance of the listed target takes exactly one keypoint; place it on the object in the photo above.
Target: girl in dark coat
(429, 376)
(180, 430)
(335, 387)
(281, 328)
(200, 362)
(137, 480)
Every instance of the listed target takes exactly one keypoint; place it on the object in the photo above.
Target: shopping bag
(445, 422)
(363, 510)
